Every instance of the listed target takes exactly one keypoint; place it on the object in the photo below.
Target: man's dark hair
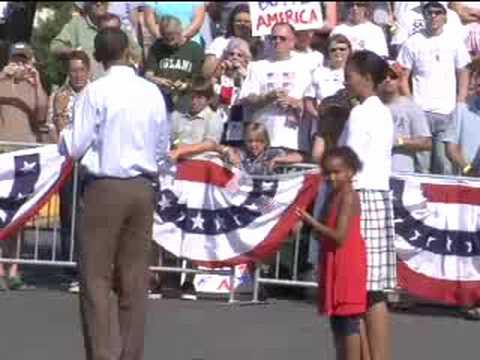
(110, 45)
(368, 63)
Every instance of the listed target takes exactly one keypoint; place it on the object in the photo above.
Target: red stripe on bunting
(453, 194)
(279, 234)
(14, 226)
(459, 293)
(203, 171)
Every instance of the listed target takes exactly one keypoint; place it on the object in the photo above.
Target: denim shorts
(345, 325)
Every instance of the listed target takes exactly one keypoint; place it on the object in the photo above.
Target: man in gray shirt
(411, 131)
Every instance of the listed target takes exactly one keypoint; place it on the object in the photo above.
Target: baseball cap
(21, 49)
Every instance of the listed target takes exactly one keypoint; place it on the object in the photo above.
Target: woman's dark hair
(242, 8)
(349, 157)
(368, 63)
(110, 45)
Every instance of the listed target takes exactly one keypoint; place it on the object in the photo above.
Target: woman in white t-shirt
(327, 80)
(362, 33)
(239, 25)
(369, 132)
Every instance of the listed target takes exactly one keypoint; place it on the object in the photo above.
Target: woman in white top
(369, 132)
(239, 25)
(327, 80)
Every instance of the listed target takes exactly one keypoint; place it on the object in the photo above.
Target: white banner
(303, 15)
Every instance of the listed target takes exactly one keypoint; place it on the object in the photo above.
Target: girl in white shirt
(369, 132)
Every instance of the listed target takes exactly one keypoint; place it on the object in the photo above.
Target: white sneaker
(74, 287)
(154, 296)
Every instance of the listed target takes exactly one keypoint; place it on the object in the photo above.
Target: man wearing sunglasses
(274, 88)
(437, 62)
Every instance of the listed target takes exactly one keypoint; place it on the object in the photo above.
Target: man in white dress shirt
(121, 121)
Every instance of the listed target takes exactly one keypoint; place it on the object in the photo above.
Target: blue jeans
(436, 160)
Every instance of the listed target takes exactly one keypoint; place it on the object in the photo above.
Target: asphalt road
(44, 324)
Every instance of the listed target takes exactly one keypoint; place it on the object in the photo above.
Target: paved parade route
(44, 324)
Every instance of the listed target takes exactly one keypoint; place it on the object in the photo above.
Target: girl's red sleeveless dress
(343, 271)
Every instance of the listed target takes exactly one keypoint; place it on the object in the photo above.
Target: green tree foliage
(53, 70)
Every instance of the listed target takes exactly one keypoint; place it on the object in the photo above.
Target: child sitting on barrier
(257, 157)
(342, 282)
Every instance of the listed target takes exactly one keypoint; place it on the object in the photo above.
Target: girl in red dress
(342, 282)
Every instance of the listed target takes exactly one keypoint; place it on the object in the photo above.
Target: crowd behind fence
(38, 242)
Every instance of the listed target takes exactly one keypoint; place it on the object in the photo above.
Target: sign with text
(303, 15)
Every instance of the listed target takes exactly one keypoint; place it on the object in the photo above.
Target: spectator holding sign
(274, 89)
(362, 33)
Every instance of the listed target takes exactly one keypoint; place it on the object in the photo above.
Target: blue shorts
(345, 325)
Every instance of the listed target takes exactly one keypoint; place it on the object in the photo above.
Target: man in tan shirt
(23, 101)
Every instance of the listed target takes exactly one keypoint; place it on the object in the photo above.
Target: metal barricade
(36, 243)
(294, 280)
(40, 241)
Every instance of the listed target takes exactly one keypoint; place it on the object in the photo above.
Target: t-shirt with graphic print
(182, 63)
(293, 77)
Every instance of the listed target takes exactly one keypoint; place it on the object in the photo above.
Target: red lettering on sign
(224, 285)
(272, 19)
(288, 16)
(313, 16)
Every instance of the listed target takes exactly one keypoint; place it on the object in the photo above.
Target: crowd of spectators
(265, 101)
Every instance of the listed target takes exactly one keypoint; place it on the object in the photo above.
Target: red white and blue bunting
(216, 215)
(28, 179)
(437, 225)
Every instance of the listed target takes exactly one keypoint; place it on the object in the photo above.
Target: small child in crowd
(343, 275)
(198, 130)
(257, 157)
